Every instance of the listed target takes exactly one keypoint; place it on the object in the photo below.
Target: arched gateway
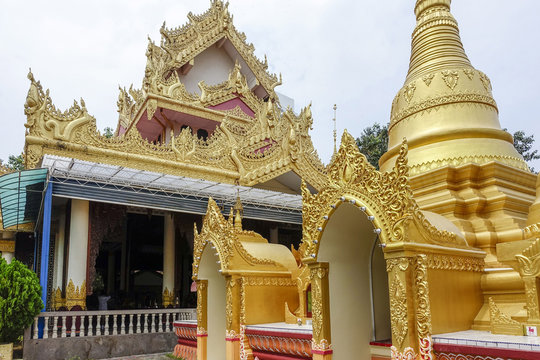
(423, 251)
(239, 277)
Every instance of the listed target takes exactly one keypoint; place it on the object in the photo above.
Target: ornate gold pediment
(180, 45)
(385, 197)
(225, 237)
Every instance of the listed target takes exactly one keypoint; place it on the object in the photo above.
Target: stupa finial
(423, 5)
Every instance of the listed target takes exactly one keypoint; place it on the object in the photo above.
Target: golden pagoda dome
(446, 109)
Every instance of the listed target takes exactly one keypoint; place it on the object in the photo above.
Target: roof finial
(335, 131)
(238, 211)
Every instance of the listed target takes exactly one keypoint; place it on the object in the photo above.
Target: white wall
(208, 270)
(213, 66)
(346, 245)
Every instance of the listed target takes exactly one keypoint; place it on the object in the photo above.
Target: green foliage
(524, 144)
(172, 356)
(15, 163)
(108, 132)
(20, 299)
(373, 142)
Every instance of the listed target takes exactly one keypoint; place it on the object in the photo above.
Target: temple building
(208, 226)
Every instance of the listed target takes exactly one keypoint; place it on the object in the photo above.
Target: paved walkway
(162, 356)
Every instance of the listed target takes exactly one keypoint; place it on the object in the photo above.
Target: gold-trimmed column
(232, 312)
(402, 307)
(320, 303)
(202, 318)
(59, 258)
(422, 308)
(77, 256)
(529, 269)
(168, 260)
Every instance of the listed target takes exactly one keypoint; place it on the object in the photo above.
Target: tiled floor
(144, 357)
(487, 339)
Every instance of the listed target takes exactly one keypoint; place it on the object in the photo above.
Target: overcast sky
(352, 53)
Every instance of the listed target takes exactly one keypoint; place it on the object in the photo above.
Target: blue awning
(21, 193)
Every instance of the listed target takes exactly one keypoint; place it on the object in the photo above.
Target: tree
(523, 145)
(14, 163)
(108, 132)
(20, 299)
(373, 142)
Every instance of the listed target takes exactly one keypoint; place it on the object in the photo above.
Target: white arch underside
(208, 270)
(346, 245)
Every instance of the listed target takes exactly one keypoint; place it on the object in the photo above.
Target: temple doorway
(209, 269)
(358, 283)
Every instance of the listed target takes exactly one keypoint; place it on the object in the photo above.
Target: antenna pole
(335, 130)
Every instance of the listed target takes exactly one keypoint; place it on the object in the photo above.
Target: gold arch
(413, 246)
(385, 197)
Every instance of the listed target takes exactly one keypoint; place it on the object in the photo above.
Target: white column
(59, 252)
(78, 252)
(168, 259)
(8, 256)
(7, 245)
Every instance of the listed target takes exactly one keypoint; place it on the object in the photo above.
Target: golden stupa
(446, 108)
(462, 164)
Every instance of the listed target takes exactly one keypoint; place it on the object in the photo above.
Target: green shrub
(20, 299)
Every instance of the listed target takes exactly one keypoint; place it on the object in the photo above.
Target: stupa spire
(445, 109)
(436, 43)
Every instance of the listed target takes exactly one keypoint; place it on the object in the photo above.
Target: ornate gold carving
(401, 263)
(451, 78)
(229, 302)
(268, 281)
(7, 245)
(386, 196)
(409, 92)
(501, 323)
(180, 45)
(407, 354)
(531, 231)
(422, 306)
(425, 348)
(319, 304)
(469, 73)
(57, 300)
(441, 100)
(531, 294)
(76, 296)
(201, 307)
(44, 119)
(427, 79)
(239, 150)
(168, 297)
(457, 263)
(529, 269)
(322, 345)
(224, 236)
(529, 261)
(460, 160)
(151, 107)
(485, 81)
(398, 310)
